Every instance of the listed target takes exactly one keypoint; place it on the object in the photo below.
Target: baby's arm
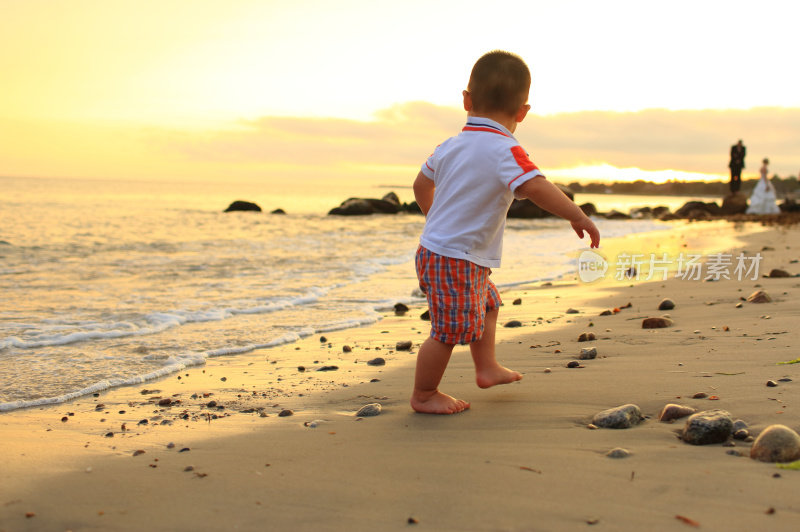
(550, 198)
(423, 192)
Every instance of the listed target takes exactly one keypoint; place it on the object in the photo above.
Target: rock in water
(666, 304)
(673, 411)
(777, 443)
(371, 409)
(403, 346)
(710, 426)
(656, 323)
(759, 296)
(240, 205)
(735, 203)
(621, 417)
(377, 361)
(400, 309)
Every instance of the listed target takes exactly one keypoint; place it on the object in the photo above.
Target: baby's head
(499, 83)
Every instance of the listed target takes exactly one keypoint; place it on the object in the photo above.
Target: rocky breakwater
(389, 204)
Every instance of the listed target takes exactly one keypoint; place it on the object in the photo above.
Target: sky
(353, 89)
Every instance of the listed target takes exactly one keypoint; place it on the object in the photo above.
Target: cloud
(403, 135)
(656, 139)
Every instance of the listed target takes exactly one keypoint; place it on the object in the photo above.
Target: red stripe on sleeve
(522, 159)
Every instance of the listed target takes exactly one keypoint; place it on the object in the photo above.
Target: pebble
(400, 309)
(548, 370)
(404, 345)
(779, 273)
(371, 409)
(777, 443)
(377, 361)
(666, 304)
(286, 413)
(328, 368)
(709, 426)
(426, 316)
(346, 349)
(513, 323)
(517, 301)
(620, 417)
(700, 395)
(771, 384)
(759, 296)
(322, 339)
(573, 311)
(656, 323)
(618, 452)
(586, 337)
(588, 353)
(741, 434)
(673, 411)
(165, 402)
(606, 313)
(574, 364)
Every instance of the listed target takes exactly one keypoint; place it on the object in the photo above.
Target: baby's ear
(467, 100)
(522, 112)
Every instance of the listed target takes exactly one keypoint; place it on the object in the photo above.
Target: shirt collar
(479, 123)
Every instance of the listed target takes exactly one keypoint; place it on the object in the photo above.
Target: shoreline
(520, 458)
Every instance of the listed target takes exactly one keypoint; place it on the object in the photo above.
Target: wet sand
(522, 458)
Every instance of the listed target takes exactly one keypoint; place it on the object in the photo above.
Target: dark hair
(499, 82)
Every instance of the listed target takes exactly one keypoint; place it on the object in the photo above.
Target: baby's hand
(585, 224)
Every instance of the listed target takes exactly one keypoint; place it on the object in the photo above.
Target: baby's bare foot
(437, 403)
(496, 375)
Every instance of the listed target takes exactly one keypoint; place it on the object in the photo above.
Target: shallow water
(105, 283)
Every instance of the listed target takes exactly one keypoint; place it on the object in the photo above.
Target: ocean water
(106, 283)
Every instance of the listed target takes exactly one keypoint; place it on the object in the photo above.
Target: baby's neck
(509, 122)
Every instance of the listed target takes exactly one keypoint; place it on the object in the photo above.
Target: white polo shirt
(475, 174)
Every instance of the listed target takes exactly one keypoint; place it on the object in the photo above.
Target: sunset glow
(182, 89)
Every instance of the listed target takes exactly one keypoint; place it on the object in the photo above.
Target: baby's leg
(488, 372)
(432, 360)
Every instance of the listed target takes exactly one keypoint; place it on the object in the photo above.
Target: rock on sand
(710, 426)
(621, 417)
(673, 411)
(666, 304)
(371, 409)
(759, 296)
(656, 323)
(777, 443)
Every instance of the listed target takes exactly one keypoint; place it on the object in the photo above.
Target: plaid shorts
(459, 293)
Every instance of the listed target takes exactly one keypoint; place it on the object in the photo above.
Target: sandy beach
(208, 449)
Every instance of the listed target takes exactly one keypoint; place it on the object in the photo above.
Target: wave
(156, 322)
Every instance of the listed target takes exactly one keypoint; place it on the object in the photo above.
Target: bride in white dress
(763, 200)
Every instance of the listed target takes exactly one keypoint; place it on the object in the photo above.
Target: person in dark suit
(738, 151)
